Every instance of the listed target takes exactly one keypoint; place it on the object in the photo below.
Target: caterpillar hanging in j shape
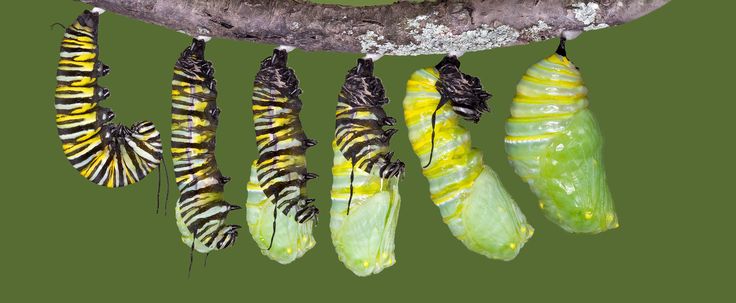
(365, 188)
(554, 144)
(278, 178)
(201, 209)
(472, 200)
(107, 154)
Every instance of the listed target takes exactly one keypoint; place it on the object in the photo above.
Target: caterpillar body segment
(365, 191)
(554, 143)
(471, 199)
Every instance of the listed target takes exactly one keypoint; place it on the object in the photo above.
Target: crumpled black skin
(363, 91)
(192, 59)
(464, 93)
(275, 73)
(361, 88)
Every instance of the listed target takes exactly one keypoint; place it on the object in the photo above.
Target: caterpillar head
(306, 211)
(145, 131)
(143, 128)
(391, 169)
(464, 92)
(226, 236)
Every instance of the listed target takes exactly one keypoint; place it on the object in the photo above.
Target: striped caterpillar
(472, 201)
(107, 154)
(554, 144)
(365, 191)
(279, 176)
(201, 209)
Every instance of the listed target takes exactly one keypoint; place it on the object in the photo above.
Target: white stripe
(84, 151)
(89, 159)
(73, 54)
(76, 135)
(100, 167)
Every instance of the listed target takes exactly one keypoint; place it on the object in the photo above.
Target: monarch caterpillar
(279, 176)
(554, 144)
(472, 201)
(201, 209)
(107, 154)
(365, 192)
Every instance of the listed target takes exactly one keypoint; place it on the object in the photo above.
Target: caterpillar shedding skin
(279, 176)
(365, 191)
(107, 154)
(472, 201)
(554, 144)
(201, 209)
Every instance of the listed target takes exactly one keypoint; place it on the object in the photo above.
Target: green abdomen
(554, 144)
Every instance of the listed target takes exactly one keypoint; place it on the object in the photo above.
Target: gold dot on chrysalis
(289, 250)
(541, 204)
(512, 245)
(366, 264)
(588, 215)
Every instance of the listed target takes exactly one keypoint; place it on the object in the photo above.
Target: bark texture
(402, 28)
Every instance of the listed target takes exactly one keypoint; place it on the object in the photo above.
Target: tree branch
(402, 28)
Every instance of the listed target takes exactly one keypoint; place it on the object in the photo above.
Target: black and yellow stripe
(359, 122)
(201, 210)
(281, 165)
(106, 154)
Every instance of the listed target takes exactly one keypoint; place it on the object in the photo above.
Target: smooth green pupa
(554, 144)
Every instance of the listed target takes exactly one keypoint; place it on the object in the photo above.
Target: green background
(661, 88)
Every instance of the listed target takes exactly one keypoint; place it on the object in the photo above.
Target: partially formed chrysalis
(554, 144)
(472, 201)
(278, 179)
(365, 188)
(201, 210)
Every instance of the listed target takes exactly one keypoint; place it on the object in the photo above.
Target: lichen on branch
(402, 28)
